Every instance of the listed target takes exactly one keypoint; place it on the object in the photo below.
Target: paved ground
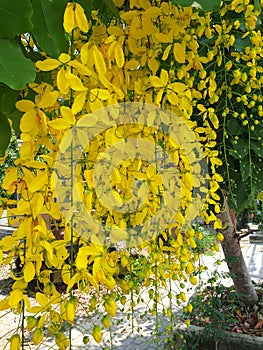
(253, 254)
(142, 337)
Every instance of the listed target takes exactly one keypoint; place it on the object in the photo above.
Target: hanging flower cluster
(160, 54)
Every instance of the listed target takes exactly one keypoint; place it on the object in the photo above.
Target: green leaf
(257, 5)
(5, 134)
(87, 6)
(239, 149)
(8, 98)
(184, 3)
(234, 127)
(48, 31)
(243, 196)
(15, 117)
(241, 43)
(205, 5)
(15, 17)
(109, 5)
(257, 148)
(15, 70)
(246, 171)
(210, 6)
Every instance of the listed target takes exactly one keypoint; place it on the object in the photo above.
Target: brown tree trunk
(234, 258)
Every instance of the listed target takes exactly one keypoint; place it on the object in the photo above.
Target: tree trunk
(234, 258)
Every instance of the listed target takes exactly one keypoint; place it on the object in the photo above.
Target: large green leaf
(239, 149)
(107, 8)
(111, 6)
(210, 6)
(8, 98)
(15, 70)
(48, 29)
(257, 5)
(241, 43)
(234, 127)
(206, 5)
(15, 117)
(5, 134)
(15, 17)
(87, 6)
(183, 2)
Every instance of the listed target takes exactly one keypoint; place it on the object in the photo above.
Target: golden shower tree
(201, 67)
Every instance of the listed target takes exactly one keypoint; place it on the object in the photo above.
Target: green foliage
(5, 138)
(49, 34)
(43, 20)
(8, 98)
(216, 308)
(207, 6)
(204, 245)
(136, 273)
(15, 18)
(107, 8)
(257, 5)
(88, 6)
(239, 135)
(16, 70)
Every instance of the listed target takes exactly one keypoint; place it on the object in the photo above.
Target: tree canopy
(28, 29)
(32, 35)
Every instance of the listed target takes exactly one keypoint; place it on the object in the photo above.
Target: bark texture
(235, 260)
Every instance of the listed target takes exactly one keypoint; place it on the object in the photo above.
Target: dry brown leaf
(259, 325)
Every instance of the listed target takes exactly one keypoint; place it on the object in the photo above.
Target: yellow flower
(74, 17)
(71, 310)
(15, 342)
(97, 333)
(34, 120)
(220, 236)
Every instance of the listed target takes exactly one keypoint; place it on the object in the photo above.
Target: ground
(143, 337)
